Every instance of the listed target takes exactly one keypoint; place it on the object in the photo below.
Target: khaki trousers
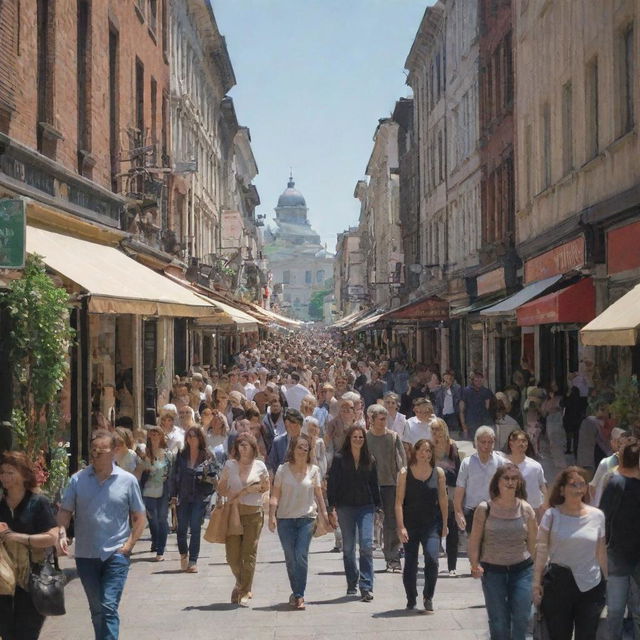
(242, 551)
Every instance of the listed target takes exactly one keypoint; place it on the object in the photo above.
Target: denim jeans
(430, 541)
(623, 591)
(103, 582)
(157, 513)
(190, 515)
(564, 606)
(507, 595)
(357, 521)
(390, 539)
(295, 537)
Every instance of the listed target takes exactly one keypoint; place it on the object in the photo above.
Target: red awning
(430, 309)
(576, 303)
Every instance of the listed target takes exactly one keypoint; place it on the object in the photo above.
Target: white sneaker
(453, 573)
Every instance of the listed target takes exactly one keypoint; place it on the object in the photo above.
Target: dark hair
(202, 445)
(100, 434)
(414, 450)
(365, 456)
(250, 412)
(516, 433)
(494, 485)
(163, 441)
(630, 454)
(125, 421)
(555, 495)
(292, 446)
(295, 377)
(19, 461)
(244, 437)
(294, 416)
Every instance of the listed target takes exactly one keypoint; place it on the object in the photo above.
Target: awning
(272, 316)
(366, 322)
(476, 306)
(429, 309)
(508, 306)
(576, 303)
(114, 282)
(618, 324)
(343, 322)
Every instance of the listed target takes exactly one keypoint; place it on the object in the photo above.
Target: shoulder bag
(224, 522)
(46, 585)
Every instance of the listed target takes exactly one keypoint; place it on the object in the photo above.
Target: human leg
(519, 601)
(588, 608)
(233, 547)
(410, 570)
(495, 590)
(452, 541)
(251, 528)
(302, 544)
(19, 619)
(431, 549)
(559, 595)
(195, 525)
(114, 575)
(390, 533)
(618, 588)
(365, 519)
(163, 524)
(183, 515)
(347, 520)
(287, 532)
(90, 574)
(152, 518)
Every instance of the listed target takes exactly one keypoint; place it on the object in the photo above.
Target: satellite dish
(415, 268)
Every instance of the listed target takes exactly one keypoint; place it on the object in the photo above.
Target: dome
(291, 197)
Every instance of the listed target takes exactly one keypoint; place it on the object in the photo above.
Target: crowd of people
(323, 436)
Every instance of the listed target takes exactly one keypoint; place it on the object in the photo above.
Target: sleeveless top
(420, 508)
(504, 540)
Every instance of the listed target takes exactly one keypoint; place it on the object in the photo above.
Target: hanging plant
(40, 336)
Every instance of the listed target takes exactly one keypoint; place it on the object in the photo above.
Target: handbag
(320, 529)
(224, 522)
(46, 586)
(7, 573)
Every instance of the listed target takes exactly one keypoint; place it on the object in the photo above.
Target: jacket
(439, 395)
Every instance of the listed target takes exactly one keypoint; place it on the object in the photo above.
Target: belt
(507, 568)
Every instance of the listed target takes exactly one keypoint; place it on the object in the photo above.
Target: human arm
(479, 518)
(463, 425)
(532, 532)
(601, 555)
(401, 487)
(37, 540)
(458, 499)
(273, 503)
(541, 555)
(138, 523)
(333, 488)
(322, 507)
(443, 500)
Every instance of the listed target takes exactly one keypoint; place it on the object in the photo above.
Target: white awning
(509, 305)
(114, 282)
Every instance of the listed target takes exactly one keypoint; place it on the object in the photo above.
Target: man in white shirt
(474, 477)
(248, 386)
(396, 421)
(296, 393)
(596, 486)
(419, 426)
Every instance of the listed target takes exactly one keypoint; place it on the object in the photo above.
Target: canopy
(509, 305)
(353, 316)
(430, 308)
(366, 322)
(616, 325)
(573, 304)
(114, 282)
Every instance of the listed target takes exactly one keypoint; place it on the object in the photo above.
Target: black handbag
(46, 586)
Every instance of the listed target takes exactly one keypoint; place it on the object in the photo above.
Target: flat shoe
(300, 604)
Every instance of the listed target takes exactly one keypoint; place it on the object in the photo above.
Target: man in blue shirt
(277, 455)
(475, 406)
(103, 497)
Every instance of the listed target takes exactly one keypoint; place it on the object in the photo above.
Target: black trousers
(566, 608)
(453, 536)
(19, 619)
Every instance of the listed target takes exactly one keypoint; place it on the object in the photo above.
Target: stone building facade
(349, 273)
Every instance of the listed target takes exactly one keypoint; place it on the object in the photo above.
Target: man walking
(446, 400)
(475, 406)
(278, 453)
(103, 497)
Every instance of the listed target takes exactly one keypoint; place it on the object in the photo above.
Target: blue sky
(313, 78)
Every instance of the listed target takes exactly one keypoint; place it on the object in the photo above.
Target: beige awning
(114, 282)
(229, 315)
(366, 322)
(272, 316)
(617, 325)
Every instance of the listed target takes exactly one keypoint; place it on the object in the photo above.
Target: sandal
(300, 604)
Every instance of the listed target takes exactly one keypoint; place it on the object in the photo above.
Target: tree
(39, 340)
(316, 302)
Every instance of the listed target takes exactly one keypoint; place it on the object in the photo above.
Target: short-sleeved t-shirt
(573, 543)
(31, 516)
(416, 430)
(474, 477)
(534, 479)
(297, 496)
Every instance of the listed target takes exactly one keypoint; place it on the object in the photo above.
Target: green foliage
(316, 302)
(39, 340)
(626, 406)
(58, 470)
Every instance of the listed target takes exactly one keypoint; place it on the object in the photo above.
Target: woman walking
(571, 537)
(28, 524)
(244, 479)
(552, 409)
(501, 549)
(354, 496)
(191, 489)
(421, 516)
(156, 465)
(447, 457)
(296, 501)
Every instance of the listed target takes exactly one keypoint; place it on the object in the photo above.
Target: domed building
(297, 259)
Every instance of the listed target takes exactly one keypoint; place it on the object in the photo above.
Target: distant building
(299, 263)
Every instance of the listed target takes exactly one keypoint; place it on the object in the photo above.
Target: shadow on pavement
(167, 572)
(335, 600)
(398, 613)
(281, 606)
(214, 606)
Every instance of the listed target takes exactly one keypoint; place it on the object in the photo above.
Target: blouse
(297, 496)
(235, 484)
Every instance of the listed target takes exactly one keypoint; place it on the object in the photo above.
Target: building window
(567, 128)
(592, 108)
(139, 106)
(320, 276)
(625, 73)
(546, 145)
(83, 85)
(307, 277)
(286, 277)
(528, 169)
(153, 16)
(154, 111)
(114, 98)
(165, 29)
(45, 57)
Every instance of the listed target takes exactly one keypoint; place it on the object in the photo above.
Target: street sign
(12, 234)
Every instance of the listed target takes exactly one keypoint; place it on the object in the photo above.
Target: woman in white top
(396, 421)
(521, 452)
(311, 428)
(244, 479)
(571, 537)
(294, 505)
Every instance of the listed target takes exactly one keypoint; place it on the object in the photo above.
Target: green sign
(12, 234)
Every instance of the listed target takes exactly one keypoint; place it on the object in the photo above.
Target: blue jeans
(103, 582)
(157, 513)
(190, 515)
(430, 541)
(623, 591)
(357, 520)
(507, 595)
(295, 537)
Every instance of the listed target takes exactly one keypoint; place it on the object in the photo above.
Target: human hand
(461, 521)
(537, 594)
(445, 531)
(403, 535)
(477, 572)
(272, 524)
(125, 549)
(333, 519)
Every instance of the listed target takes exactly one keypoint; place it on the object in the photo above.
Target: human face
(423, 411)
(313, 431)
(206, 415)
(575, 488)
(276, 407)
(293, 427)
(424, 453)
(509, 481)
(477, 381)
(390, 405)
(518, 444)
(192, 440)
(447, 379)
(484, 444)
(10, 477)
(101, 451)
(379, 420)
(347, 412)
(437, 431)
(301, 451)
(245, 450)
(357, 440)
(154, 438)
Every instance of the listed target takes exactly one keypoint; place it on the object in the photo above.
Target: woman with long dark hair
(421, 517)
(191, 488)
(354, 496)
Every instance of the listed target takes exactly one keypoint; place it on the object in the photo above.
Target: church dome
(291, 197)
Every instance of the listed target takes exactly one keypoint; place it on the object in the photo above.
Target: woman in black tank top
(421, 514)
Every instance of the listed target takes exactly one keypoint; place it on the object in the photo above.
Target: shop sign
(622, 248)
(556, 261)
(12, 234)
(491, 281)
